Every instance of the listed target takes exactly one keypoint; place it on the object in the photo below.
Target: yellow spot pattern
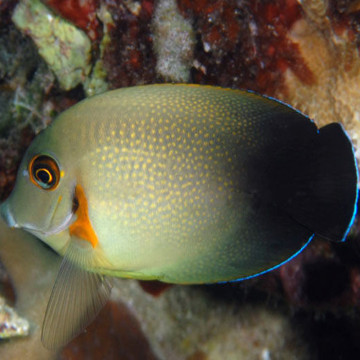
(167, 167)
(167, 158)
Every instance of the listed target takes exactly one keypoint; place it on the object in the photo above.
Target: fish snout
(7, 215)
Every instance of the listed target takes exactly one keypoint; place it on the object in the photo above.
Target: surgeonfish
(184, 184)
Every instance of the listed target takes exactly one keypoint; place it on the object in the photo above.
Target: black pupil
(43, 175)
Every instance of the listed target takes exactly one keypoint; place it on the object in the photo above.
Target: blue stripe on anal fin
(265, 238)
(276, 266)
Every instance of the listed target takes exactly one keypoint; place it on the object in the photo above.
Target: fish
(180, 183)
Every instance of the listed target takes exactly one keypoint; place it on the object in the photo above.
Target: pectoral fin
(77, 297)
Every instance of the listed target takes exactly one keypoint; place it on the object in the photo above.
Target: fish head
(42, 201)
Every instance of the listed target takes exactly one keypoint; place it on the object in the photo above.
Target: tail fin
(328, 207)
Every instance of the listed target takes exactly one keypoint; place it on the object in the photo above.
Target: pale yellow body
(165, 172)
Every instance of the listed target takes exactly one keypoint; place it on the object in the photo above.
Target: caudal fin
(328, 206)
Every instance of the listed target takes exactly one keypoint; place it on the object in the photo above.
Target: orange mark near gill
(82, 227)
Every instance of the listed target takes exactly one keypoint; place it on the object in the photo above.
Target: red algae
(129, 58)
(79, 12)
(153, 287)
(215, 33)
(198, 355)
(115, 334)
(274, 21)
(345, 18)
(11, 152)
(245, 44)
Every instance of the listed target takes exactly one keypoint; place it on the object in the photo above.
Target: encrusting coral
(174, 42)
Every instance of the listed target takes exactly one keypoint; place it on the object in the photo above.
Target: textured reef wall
(306, 53)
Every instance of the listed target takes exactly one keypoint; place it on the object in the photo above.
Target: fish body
(183, 184)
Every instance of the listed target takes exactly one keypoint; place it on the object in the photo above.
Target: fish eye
(44, 172)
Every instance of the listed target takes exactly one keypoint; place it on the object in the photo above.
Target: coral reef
(10, 323)
(129, 58)
(330, 46)
(304, 52)
(64, 48)
(187, 321)
(245, 44)
(174, 42)
(80, 13)
(25, 82)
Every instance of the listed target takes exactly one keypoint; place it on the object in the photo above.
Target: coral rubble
(11, 324)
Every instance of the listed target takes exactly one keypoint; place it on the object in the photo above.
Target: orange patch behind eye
(82, 227)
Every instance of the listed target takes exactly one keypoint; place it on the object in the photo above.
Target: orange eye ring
(44, 172)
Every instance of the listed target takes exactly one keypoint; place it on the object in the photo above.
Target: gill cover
(79, 291)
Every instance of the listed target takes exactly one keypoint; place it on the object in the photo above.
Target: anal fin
(77, 297)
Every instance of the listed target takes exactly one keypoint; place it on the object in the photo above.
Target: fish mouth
(56, 230)
(9, 219)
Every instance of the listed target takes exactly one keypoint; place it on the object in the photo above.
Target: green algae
(96, 82)
(64, 47)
